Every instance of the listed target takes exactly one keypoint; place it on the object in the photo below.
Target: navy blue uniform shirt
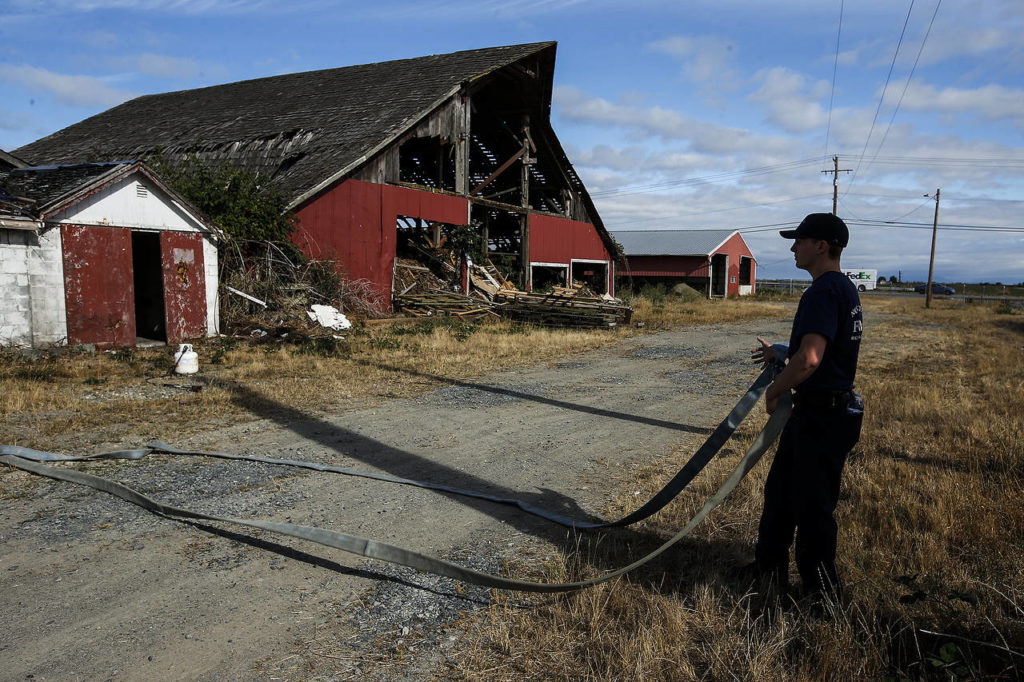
(830, 307)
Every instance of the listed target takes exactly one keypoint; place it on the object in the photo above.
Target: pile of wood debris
(420, 293)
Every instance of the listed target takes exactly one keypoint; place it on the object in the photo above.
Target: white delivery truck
(865, 280)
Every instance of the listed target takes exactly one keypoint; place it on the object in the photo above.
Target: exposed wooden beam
(501, 169)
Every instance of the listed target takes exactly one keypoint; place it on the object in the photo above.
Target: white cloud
(176, 6)
(791, 101)
(988, 101)
(85, 91)
(655, 121)
(705, 58)
(166, 66)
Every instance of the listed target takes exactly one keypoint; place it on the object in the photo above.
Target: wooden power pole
(835, 183)
(931, 262)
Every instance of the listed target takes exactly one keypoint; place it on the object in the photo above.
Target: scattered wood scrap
(554, 310)
(419, 292)
(413, 278)
(442, 304)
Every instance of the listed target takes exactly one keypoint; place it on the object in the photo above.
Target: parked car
(937, 288)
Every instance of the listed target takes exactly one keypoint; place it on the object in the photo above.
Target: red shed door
(184, 285)
(98, 292)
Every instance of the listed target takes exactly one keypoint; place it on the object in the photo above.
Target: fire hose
(32, 461)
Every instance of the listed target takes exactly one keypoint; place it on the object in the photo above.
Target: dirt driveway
(94, 588)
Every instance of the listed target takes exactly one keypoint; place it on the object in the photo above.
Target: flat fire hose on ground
(30, 460)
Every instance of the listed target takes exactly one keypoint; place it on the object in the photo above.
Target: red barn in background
(715, 262)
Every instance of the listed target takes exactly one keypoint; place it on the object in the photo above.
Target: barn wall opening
(543, 278)
(719, 273)
(594, 274)
(147, 278)
(502, 232)
(745, 270)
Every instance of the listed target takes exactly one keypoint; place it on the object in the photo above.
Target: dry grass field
(931, 541)
(82, 399)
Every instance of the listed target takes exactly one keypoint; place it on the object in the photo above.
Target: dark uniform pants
(801, 492)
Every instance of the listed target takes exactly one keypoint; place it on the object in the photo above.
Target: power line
(909, 77)
(882, 97)
(926, 226)
(835, 68)
(708, 179)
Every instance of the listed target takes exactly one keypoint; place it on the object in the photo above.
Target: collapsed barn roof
(302, 130)
(35, 193)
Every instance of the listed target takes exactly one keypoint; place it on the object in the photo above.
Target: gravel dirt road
(94, 588)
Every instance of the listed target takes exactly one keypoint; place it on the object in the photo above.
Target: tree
(893, 279)
(244, 204)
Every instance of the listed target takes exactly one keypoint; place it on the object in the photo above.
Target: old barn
(103, 254)
(715, 262)
(376, 157)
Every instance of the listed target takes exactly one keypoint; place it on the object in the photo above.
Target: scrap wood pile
(444, 304)
(492, 294)
(411, 278)
(565, 310)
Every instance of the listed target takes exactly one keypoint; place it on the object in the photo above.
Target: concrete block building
(102, 254)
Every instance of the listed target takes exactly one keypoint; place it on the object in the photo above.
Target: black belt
(823, 399)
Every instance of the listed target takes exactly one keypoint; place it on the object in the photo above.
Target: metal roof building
(716, 262)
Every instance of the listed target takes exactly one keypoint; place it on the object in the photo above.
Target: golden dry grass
(77, 399)
(931, 541)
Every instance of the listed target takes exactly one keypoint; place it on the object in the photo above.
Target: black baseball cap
(825, 226)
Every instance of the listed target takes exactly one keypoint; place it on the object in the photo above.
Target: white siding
(210, 271)
(124, 205)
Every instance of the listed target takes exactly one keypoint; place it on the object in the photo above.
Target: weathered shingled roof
(41, 185)
(298, 129)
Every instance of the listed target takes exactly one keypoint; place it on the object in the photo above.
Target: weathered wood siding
(184, 278)
(98, 288)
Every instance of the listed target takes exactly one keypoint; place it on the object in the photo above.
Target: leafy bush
(242, 203)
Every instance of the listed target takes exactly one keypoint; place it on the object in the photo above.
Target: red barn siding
(561, 240)
(354, 224)
(666, 266)
(181, 256)
(735, 247)
(557, 240)
(98, 287)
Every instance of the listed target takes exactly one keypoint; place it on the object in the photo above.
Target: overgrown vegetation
(931, 542)
(244, 204)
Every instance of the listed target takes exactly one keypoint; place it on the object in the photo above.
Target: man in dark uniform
(802, 488)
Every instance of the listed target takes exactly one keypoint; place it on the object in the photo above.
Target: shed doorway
(147, 277)
(719, 272)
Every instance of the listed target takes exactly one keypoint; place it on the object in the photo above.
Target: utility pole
(835, 183)
(931, 263)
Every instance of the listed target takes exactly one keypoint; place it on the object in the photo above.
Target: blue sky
(678, 115)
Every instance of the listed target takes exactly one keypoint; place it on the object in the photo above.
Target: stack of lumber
(555, 310)
(414, 278)
(443, 304)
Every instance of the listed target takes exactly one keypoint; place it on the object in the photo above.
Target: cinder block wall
(32, 309)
